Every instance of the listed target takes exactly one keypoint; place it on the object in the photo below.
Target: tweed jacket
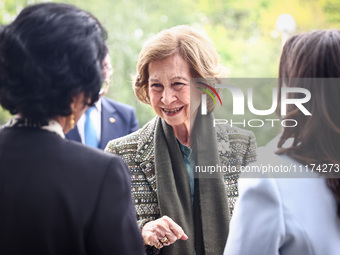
(236, 148)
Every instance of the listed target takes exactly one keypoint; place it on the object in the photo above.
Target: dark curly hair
(49, 54)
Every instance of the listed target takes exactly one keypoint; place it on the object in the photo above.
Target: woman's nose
(168, 96)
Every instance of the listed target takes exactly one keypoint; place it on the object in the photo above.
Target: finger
(152, 232)
(184, 237)
(171, 236)
(159, 231)
(176, 230)
(164, 239)
(154, 239)
(155, 231)
(151, 240)
(159, 245)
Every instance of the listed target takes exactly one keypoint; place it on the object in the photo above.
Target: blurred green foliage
(243, 31)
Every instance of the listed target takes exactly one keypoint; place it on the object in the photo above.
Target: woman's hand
(162, 232)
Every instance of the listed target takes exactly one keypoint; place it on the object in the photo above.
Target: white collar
(52, 126)
(98, 105)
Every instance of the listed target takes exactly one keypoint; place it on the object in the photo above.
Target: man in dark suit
(116, 120)
(110, 119)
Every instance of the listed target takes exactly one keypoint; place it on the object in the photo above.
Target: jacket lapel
(108, 127)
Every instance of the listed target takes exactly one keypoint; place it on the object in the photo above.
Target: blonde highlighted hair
(192, 45)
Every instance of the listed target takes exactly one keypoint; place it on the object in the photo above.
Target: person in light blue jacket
(299, 213)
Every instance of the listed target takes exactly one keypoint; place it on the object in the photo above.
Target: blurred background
(248, 34)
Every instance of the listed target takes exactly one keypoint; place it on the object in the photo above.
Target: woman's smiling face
(169, 89)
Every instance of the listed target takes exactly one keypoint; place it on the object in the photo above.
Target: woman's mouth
(171, 112)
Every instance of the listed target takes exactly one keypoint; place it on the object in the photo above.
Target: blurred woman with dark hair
(301, 214)
(58, 196)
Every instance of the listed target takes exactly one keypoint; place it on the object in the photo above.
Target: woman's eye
(178, 85)
(156, 86)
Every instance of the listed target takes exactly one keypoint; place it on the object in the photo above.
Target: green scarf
(207, 221)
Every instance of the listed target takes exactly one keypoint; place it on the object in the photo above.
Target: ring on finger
(164, 239)
(158, 245)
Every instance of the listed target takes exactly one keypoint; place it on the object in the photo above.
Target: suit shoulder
(129, 140)
(118, 105)
(132, 140)
(91, 163)
(88, 153)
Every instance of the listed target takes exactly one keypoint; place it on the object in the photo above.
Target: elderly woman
(58, 196)
(177, 213)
